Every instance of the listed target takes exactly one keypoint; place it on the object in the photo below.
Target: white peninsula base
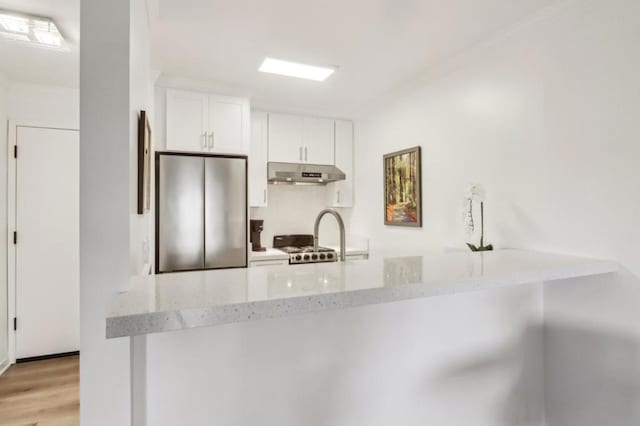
(447, 339)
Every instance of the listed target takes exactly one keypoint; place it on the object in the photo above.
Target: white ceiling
(377, 44)
(25, 63)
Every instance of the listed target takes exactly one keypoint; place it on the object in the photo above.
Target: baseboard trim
(44, 357)
(4, 365)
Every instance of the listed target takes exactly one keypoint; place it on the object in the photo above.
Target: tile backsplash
(292, 209)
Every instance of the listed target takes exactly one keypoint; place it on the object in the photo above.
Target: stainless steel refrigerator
(201, 212)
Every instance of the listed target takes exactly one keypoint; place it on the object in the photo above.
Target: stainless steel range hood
(293, 173)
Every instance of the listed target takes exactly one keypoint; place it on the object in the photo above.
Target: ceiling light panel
(294, 69)
(33, 30)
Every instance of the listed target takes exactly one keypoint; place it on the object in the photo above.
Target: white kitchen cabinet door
(259, 263)
(318, 141)
(228, 125)
(285, 138)
(187, 121)
(47, 249)
(341, 192)
(258, 160)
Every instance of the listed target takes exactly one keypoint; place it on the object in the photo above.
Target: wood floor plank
(41, 393)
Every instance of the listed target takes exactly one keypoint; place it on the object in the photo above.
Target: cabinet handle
(204, 140)
(305, 154)
(265, 196)
(338, 197)
(211, 140)
(300, 153)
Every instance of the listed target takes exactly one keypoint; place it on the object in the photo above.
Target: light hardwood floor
(41, 393)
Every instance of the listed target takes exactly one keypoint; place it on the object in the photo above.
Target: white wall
(545, 115)
(46, 105)
(27, 103)
(592, 351)
(142, 79)
(114, 85)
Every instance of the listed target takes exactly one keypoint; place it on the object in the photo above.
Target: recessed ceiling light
(30, 29)
(293, 69)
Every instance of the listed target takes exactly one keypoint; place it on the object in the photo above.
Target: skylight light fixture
(14, 24)
(33, 30)
(293, 69)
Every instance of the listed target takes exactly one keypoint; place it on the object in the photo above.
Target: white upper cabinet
(341, 193)
(285, 138)
(228, 124)
(202, 122)
(187, 120)
(258, 160)
(301, 140)
(318, 140)
(297, 139)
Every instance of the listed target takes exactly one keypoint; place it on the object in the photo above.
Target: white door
(47, 246)
(226, 124)
(318, 141)
(187, 116)
(285, 138)
(258, 160)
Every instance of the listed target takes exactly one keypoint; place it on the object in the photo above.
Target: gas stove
(299, 247)
(307, 254)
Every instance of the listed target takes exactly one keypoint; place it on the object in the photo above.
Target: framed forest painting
(402, 188)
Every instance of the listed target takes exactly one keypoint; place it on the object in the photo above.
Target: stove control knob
(329, 255)
(322, 256)
(298, 257)
(314, 256)
(306, 257)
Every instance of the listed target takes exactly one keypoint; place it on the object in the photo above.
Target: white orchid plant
(475, 194)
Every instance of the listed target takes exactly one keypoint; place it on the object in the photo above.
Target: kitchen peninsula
(330, 317)
(169, 302)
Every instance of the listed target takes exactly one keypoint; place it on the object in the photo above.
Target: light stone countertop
(177, 301)
(350, 250)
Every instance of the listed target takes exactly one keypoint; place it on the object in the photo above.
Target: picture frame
(144, 163)
(402, 174)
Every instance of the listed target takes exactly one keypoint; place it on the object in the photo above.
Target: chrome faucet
(316, 229)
